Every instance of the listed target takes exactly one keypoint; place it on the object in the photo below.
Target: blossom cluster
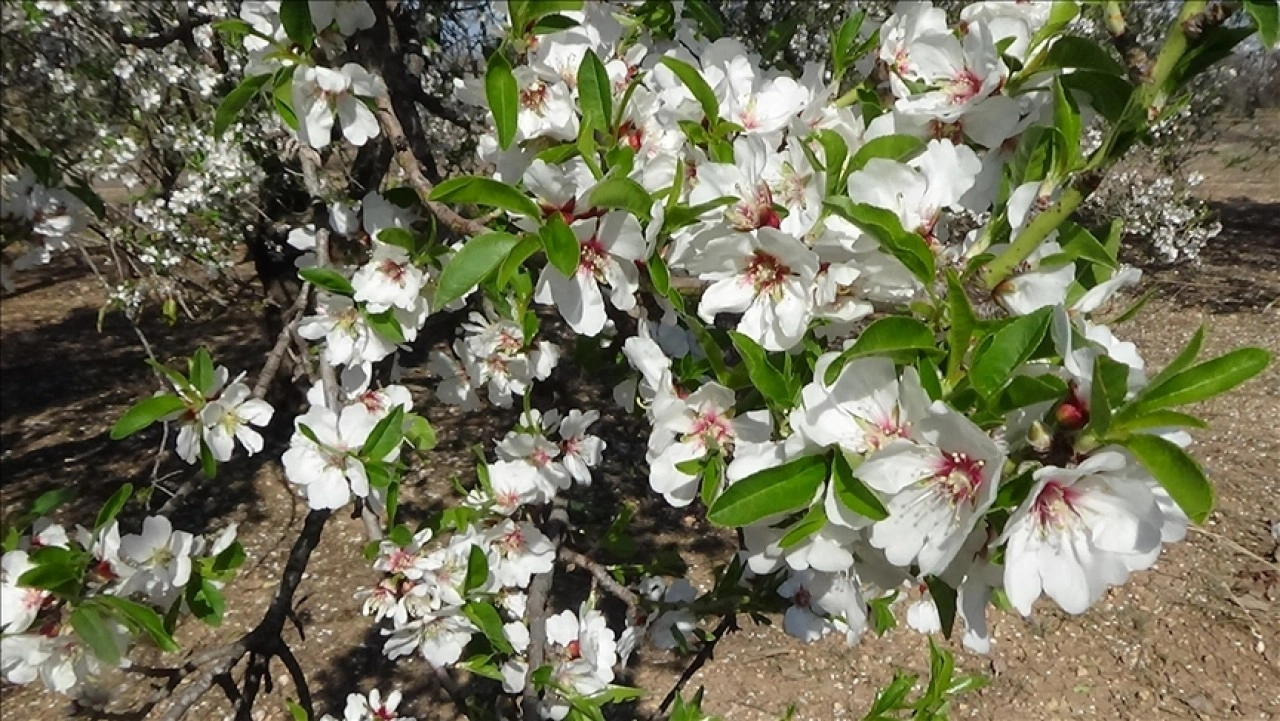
(140, 574)
(47, 217)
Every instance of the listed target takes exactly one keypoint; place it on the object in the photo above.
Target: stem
(1175, 45)
(1031, 237)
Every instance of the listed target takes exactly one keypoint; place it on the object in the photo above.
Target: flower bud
(1072, 415)
(1039, 437)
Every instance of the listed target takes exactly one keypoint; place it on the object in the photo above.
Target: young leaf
(386, 325)
(811, 523)
(503, 95)
(1266, 18)
(328, 279)
(561, 245)
(595, 92)
(890, 334)
(944, 598)
(140, 617)
(112, 507)
(487, 192)
(91, 627)
(419, 432)
(486, 618)
(766, 379)
(295, 18)
(144, 413)
(769, 492)
(1177, 472)
(477, 570)
(623, 193)
(200, 369)
(702, 92)
(885, 227)
(1011, 346)
(1205, 380)
(511, 265)
(853, 493)
(476, 260)
(899, 148)
(235, 101)
(385, 436)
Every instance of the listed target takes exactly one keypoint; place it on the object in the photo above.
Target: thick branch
(409, 163)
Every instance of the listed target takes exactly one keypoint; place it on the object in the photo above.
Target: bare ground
(1197, 637)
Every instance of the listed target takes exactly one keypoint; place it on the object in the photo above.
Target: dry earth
(1197, 637)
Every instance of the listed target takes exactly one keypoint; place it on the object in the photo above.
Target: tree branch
(727, 624)
(602, 576)
(539, 589)
(409, 163)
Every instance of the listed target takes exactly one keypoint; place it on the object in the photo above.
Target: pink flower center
(802, 597)
(959, 476)
(592, 257)
(534, 98)
(712, 429)
(372, 400)
(766, 272)
(1055, 505)
(574, 649)
(964, 86)
(754, 211)
(394, 271)
(513, 541)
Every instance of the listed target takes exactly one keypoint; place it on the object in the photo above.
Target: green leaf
(1066, 118)
(853, 493)
(487, 192)
(113, 506)
(477, 258)
(139, 617)
(1176, 472)
(503, 95)
(208, 464)
(835, 155)
(1108, 94)
(779, 35)
(61, 576)
(477, 570)
(398, 237)
(295, 711)
(1010, 347)
(205, 601)
(1073, 51)
(1182, 361)
(884, 226)
(809, 524)
(944, 598)
(235, 101)
(1158, 419)
(200, 370)
(961, 323)
(712, 471)
(561, 245)
(144, 413)
(295, 18)
(1110, 384)
(842, 44)
(890, 334)
(552, 24)
(511, 265)
(776, 490)
(1204, 380)
(92, 628)
(623, 193)
(486, 618)
(328, 279)
(386, 325)
(385, 436)
(898, 148)
(766, 379)
(702, 92)
(1266, 19)
(681, 215)
(881, 615)
(595, 92)
(1026, 390)
(49, 500)
(1078, 242)
(419, 433)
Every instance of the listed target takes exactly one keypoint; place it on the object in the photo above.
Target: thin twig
(1236, 546)
(292, 317)
(602, 577)
(728, 623)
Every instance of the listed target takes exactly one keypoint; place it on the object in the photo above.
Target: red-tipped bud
(1072, 415)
